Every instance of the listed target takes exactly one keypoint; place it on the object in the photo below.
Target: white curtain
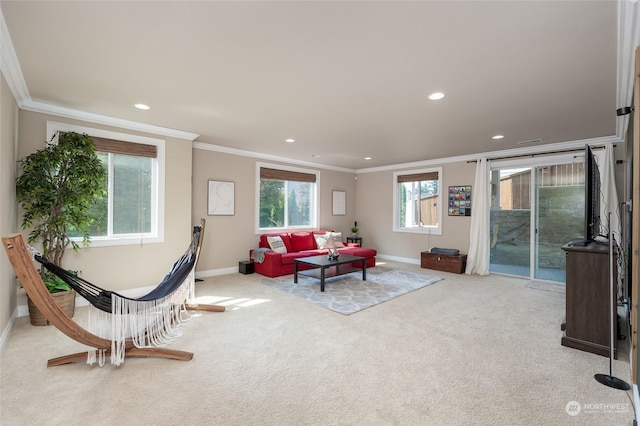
(610, 201)
(610, 195)
(478, 257)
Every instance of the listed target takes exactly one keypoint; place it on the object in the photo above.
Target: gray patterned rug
(348, 293)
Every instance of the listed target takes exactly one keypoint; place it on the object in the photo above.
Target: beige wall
(228, 239)
(8, 128)
(375, 215)
(133, 266)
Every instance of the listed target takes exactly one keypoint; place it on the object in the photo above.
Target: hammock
(103, 299)
(121, 326)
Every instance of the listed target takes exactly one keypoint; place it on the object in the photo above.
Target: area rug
(348, 294)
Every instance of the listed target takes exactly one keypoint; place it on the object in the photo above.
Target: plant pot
(66, 300)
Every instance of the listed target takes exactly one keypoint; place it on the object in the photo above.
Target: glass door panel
(559, 216)
(510, 221)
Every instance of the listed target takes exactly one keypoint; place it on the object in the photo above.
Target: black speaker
(245, 267)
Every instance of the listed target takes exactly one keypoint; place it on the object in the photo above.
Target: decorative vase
(66, 300)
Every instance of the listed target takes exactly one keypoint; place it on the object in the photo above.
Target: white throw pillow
(321, 240)
(337, 239)
(276, 244)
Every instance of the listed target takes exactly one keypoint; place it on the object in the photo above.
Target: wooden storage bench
(440, 262)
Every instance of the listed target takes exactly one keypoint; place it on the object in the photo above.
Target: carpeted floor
(466, 351)
(547, 286)
(348, 294)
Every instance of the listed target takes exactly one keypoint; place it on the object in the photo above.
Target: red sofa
(297, 245)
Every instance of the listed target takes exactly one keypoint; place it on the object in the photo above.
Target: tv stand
(587, 325)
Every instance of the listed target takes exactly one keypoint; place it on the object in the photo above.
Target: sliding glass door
(535, 210)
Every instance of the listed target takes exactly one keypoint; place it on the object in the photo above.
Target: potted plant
(354, 231)
(56, 187)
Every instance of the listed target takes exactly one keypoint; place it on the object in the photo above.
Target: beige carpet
(463, 351)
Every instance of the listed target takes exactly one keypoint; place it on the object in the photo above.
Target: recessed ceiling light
(142, 106)
(436, 96)
(290, 140)
(367, 158)
(496, 137)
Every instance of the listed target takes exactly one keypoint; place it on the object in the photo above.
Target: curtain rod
(542, 153)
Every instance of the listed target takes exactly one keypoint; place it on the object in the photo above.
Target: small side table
(355, 240)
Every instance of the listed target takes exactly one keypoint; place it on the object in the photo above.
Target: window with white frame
(287, 198)
(130, 211)
(417, 201)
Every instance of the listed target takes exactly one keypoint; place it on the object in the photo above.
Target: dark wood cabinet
(588, 301)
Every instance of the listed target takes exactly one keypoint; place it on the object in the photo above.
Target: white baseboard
(7, 331)
(398, 259)
(216, 272)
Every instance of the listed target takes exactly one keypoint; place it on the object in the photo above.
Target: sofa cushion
(288, 258)
(276, 244)
(302, 241)
(359, 251)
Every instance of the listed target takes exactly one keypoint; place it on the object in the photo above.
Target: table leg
(364, 269)
(322, 278)
(295, 272)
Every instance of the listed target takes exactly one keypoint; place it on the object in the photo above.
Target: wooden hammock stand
(22, 262)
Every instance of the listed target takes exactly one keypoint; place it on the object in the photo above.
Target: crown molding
(516, 152)
(10, 67)
(234, 151)
(108, 121)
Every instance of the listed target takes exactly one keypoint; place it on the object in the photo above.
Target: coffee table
(325, 267)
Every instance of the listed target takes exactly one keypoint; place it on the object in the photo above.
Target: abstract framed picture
(221, 198)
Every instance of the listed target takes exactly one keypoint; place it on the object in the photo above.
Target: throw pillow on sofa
(301, 241)
(276, 244)
(321, 239)
(337, 239)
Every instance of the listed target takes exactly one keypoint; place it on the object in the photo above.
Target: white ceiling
(344, 79)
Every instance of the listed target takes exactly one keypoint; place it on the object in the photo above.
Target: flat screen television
(591, 196)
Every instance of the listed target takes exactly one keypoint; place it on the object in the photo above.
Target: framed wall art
(339, 203)
(221, 198)
(460, 200)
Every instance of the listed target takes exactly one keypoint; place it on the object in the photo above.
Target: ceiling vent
(530, 142)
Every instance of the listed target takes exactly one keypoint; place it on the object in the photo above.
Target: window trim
(432, 230)
(314, 209)
(157, 197)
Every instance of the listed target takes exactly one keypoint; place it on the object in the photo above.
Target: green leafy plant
(55, 284)
(354, 229)
(56, 188)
